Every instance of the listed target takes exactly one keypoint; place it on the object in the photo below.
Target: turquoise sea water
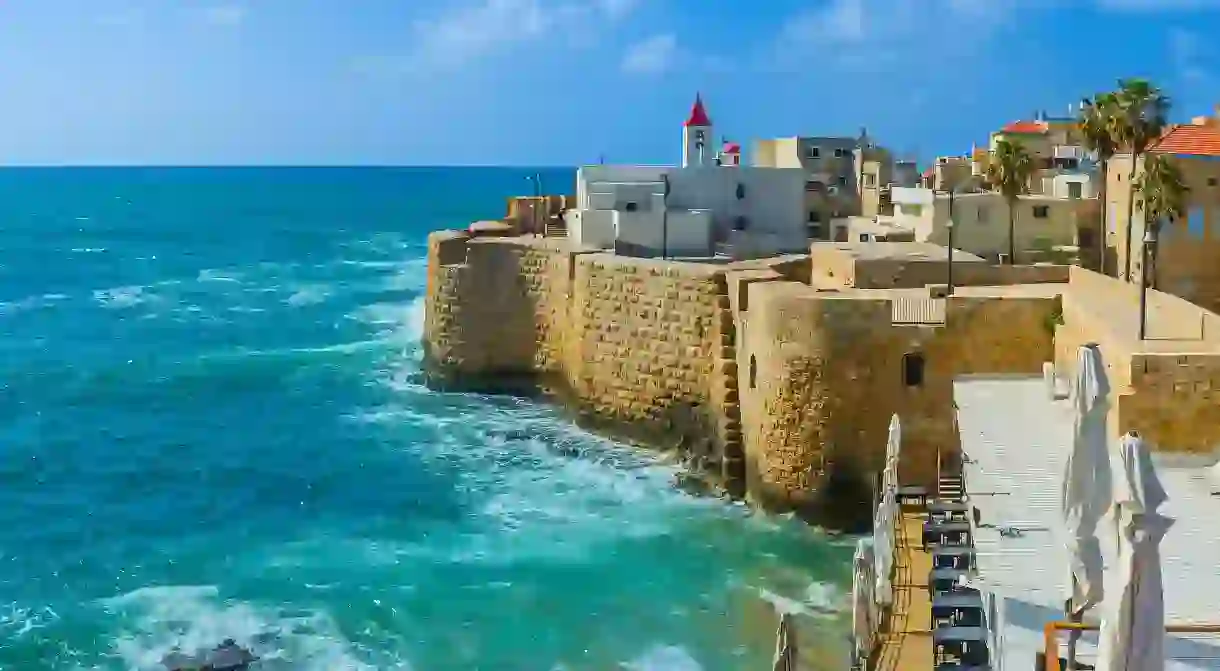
(212, 425)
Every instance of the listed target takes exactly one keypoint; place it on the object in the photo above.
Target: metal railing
(1052, 629)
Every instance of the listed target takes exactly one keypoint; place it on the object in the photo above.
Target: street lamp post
(949, 227)
(1150, 240)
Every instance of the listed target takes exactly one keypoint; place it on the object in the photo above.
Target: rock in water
(228, 656)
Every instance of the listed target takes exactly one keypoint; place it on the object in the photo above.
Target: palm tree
(1096, 127)
(1008, 172)
(1140, 120)
(1163, 194)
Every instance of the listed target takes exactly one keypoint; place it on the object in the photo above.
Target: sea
(213, 425)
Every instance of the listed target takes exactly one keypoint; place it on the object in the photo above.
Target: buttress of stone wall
(650, 345)
(499, 313)
(813, 420)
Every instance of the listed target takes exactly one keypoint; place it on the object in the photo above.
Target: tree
(1142, 112)
(1097, 124)
(1163, 192)
(1008, 172)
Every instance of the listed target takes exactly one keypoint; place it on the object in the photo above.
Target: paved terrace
(1016, 440)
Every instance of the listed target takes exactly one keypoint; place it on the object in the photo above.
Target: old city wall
(1168, 386)
(642, 348)
(496, 310)
(822, 373)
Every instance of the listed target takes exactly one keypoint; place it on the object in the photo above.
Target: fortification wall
(496, 310)
(822, 374)
(652, 355)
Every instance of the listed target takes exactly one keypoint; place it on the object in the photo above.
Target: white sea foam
(160, 620)
(123, 297)
(663, 658)
(17, 621)
(308, 295)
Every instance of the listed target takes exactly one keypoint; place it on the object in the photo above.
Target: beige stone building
(1041, 225)
(845, 175)
(1188, 252)
(1062, 166)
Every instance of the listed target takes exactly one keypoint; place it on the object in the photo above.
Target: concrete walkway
(905, 642)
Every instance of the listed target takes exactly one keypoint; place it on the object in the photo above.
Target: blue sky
(558, 82)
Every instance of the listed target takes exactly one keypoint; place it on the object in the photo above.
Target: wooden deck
(905, 640)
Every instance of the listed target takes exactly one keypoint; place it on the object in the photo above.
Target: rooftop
(1015, 440)
(1190, 139)
(898, 251)
(1025, 127)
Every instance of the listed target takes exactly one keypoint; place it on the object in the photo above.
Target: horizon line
(309, 166)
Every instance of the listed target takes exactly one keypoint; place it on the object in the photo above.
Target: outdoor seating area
(959, 625)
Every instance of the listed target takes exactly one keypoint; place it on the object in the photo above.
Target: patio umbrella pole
(1076, 617)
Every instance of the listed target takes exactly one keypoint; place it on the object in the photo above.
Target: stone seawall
(779, 391)
(638, 347)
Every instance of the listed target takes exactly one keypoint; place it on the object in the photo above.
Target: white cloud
(224, 15)
(884, 34)
(651, 56)
(477, 28)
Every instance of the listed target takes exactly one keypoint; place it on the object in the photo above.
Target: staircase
(949, 485)
(555, 227)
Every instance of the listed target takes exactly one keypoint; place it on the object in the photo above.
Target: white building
(685, 211)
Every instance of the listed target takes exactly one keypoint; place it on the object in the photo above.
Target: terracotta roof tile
(1190, 139)
(1027, 127)
(731, 148)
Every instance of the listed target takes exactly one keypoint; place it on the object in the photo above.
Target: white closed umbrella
(785, 645)
(885, 530)
(863, 605)
(1086, 488)
(1132, 636)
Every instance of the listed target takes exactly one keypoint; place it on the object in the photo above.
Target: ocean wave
(18, 621)
(123, 297)
(155, 621)
(663, 658)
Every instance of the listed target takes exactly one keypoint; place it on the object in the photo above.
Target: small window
(753, 372)
(815, 217)
(870, 179)
(741, 191)
(815, 186)
(842, 181)
(813, 152)
(1211, 181)
(631, 206)
(839, 153)
(1041, 211)
(864, 237)
(1075, 189)
(912, 369)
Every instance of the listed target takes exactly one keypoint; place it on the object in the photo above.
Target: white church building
(710, 202)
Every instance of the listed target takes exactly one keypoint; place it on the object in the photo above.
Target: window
(753, 372)
(838, 152)
(1195, 222)
(1085, 238)
(864, 237)
(814, 185)
(1075, 189)
(631, 206)
(842, 181)
(870, 180)
(1041, 211)
(1211, 181)
(741, 191)
(815, 217)
(813, 152)
(912, 369)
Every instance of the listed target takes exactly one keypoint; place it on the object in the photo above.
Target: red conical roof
(698, 115)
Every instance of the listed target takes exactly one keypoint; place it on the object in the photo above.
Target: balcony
(1068, 151)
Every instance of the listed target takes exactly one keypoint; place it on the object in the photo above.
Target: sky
(561, 82)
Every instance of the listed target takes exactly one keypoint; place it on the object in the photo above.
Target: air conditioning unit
(832, 190)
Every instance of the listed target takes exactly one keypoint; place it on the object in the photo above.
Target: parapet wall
(1167, 386)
